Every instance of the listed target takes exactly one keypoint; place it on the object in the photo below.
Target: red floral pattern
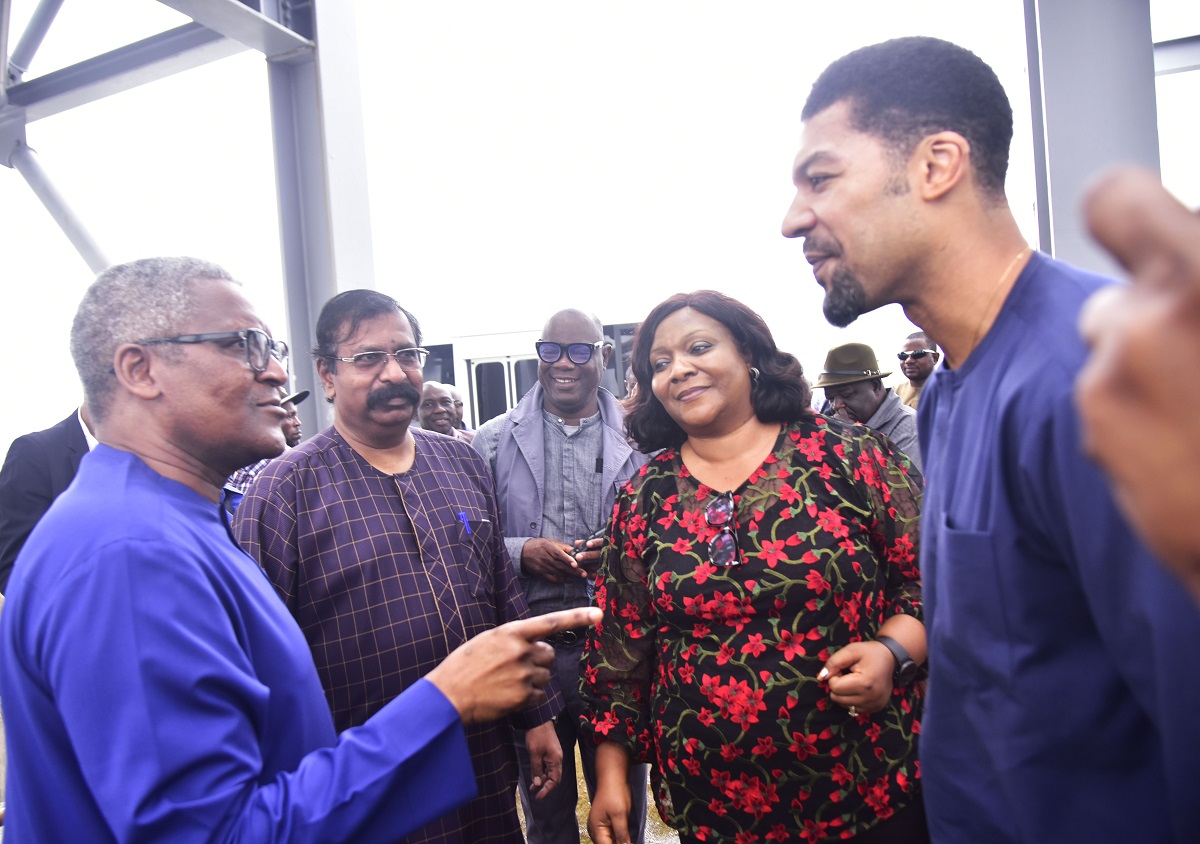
(711, 673)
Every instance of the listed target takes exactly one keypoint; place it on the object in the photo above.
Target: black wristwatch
(906, 669)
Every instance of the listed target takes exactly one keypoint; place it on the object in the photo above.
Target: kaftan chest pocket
(972, 613)
(474, 551)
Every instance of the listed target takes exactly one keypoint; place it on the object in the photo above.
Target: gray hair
(127, 303)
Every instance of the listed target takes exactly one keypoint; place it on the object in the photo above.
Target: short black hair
(781, 394)
(908, 88)
(344, 313)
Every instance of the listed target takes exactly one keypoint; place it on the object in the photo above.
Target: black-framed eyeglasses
(410, 360)
(722, 548)
(577, 353)
(917, 355)
(260, 348)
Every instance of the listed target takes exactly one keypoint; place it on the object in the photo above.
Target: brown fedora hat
(850, 364)
(294, 398)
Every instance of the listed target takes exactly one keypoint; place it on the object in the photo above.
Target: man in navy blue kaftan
(1062, 706)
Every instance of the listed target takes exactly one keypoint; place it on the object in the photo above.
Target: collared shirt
(515, 445)
(92, 442)
(387, 574)
(574, 494)
(240, 480)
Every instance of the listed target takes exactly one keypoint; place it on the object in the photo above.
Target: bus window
(440, 365)
(490, 399)
(526, 373)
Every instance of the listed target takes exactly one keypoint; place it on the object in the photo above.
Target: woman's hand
(608, 820)
(860, 676)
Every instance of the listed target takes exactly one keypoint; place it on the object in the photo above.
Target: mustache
(397, 390)
(827, 248)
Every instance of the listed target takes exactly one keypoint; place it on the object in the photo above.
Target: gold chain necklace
(995, 291)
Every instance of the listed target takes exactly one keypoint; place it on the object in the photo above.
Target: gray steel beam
(304, 240)
(1041, 168)
(238, 21)
(1095, 59)
(5, 15)
(31, 39)
(320, 166)
(1178, 56)
(150, 59)
(25, 162)
(320, 157)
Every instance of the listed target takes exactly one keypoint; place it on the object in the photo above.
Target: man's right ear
(325, 375)
(137, 370)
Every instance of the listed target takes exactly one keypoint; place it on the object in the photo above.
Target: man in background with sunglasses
(384, 542)
(917, 362)
(558, 457)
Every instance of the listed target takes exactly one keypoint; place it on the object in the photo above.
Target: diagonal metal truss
(317, 128)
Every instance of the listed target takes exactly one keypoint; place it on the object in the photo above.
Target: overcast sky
(523, 157)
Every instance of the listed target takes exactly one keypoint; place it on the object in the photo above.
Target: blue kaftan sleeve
(189, 700)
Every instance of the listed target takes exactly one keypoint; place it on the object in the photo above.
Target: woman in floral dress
(761, 602)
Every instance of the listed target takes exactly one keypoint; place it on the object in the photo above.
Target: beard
(406, 390)
(845, 299)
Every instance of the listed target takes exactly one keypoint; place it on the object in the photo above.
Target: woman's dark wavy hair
(781, 395)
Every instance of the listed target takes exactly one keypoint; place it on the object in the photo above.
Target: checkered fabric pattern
(240, 480)
(386, 574)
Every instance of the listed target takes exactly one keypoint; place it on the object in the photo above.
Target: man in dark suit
(39, 466)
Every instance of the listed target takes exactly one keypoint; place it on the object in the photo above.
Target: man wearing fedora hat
(292, 432)
(854, 387)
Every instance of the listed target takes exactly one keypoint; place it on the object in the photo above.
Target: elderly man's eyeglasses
(917, 355)
(577, 353)
(410, 360)
(260, 348)
(722, 548)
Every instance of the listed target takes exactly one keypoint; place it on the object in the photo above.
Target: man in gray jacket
(854, 388)
(558, 458)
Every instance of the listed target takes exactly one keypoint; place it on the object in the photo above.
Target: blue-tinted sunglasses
(577, 353)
